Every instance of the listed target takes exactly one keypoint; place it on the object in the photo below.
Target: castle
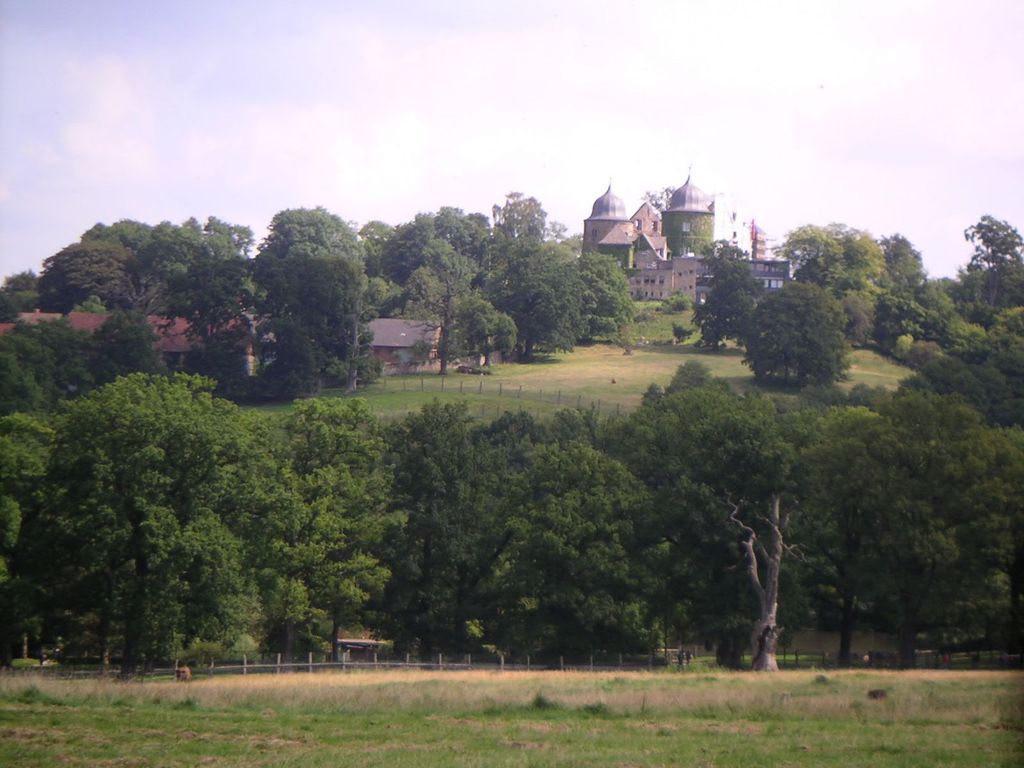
(660, 248)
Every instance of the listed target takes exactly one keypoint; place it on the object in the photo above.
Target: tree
(540, 289)
(311, 282)
(949, 488)
(374, 236)
(84, 269)
(998, 254)
(796, 337)
(570, 584)
(727, 311)
(22, 290)
(904, 269)
(141, 474)
(316, 538)
(42, 364)
(24, 452)
(451, 489)
(847, 501)
(433, 291)
(606, 304)
(521, 218)
(835, 257)
(719, 469)
(482, 329)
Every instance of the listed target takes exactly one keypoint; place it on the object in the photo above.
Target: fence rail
(791, 660)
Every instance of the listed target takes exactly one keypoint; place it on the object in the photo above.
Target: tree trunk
(353, 354)
(846, 624)
(765, 637)
(442, 349)
(908, 643)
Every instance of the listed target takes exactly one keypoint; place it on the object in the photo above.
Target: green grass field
(426, 719)
(599, 376)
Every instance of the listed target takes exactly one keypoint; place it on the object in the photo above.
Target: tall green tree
(451, 489)
(310, 282)
(727, 311)
(434, 290)
(606, 303)
(24, 452)
(998, 255)
(139, 550)
(540, 289)
(571, 584)
(317, 535)
(720, 471)
(836, 257)
(482, 329)
(797, 337)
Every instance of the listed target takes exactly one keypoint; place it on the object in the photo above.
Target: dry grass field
(627, 720)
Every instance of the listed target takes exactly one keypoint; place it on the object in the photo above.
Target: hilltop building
(661, 249)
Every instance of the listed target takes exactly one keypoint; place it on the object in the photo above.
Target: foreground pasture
(519, 719)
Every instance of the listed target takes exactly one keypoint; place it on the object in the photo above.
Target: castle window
(686, 226)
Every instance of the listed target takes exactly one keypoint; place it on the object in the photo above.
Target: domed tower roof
(609, 207)
(691, 198)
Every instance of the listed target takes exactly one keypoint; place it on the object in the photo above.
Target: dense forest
(143, 514)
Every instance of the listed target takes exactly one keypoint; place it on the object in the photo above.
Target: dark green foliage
(728, 309)
(447, 487)
(311, 282)
(540, 289)
(605, 304)
(797, 337)
(692, 374)
(571, 583)
(140, 478)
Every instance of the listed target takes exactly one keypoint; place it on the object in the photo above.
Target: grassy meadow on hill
(598, 375)
(424, 719)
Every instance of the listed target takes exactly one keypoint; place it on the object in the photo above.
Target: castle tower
(689, 220)
(609, 230)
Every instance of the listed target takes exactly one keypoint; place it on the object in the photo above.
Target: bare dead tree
(766, 559)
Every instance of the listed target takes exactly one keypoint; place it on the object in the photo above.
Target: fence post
(591, 662)
(245, 664)
(440, 662)
(309, 662)
(501, 660)
(469, 660)
(278, 664)
(480, 387)
(520, 394)
(374, 659)
(407, 659)
(561, 663)
(620, 661)
(527, 662)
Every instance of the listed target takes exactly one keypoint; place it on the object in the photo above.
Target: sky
(902, 116)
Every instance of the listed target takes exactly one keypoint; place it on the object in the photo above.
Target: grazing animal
(183, 674)
(876, 693)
